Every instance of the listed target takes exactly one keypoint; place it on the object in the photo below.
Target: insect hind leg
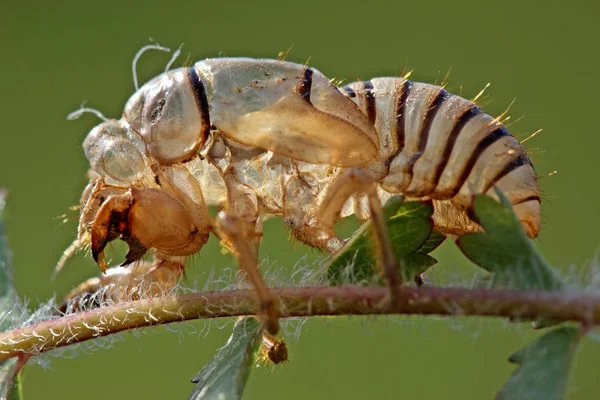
(345, 185)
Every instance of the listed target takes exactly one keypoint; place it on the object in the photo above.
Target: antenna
(154, 46)
(82, 110)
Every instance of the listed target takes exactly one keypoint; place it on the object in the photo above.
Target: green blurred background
(56, 54)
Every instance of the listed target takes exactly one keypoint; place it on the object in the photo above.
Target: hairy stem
(300, 302)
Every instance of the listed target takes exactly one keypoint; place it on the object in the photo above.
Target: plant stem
(300, 302)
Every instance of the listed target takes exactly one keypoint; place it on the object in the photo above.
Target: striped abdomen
(441, 146)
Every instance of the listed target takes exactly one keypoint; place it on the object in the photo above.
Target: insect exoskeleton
(267, 137)
(443, 147)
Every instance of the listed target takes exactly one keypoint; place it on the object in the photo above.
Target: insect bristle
(481, 92)
(189, 260)
(504, 120)
(444, 80)
(281, 56)
(307, 62)
(446, 77)
(500, 119)
(76, 246)
(538, 177)
(66, 217)
(544, 193)
(535, 150)
(188, 61)
(407, 73)
(546, 223)
(513, 122)
(176, 54)
(533, 156)
(531, 136)
(293, 239)
(61, 217)
(437, 77)
(336, 82)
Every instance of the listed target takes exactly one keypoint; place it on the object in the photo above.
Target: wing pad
(293, 127)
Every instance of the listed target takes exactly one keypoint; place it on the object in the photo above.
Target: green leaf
(226, 375)
(435, 239)
(414, 265)
(411, 233)
(10, 378)
(7, 290)
(9, 369)
(17, 390)
(410, 227)
(505, 250)
(543, 367)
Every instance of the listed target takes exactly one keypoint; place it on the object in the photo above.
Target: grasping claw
(145, 218)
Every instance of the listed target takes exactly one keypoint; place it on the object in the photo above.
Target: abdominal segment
(440, 146)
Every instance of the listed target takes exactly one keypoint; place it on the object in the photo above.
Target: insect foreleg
(238, 232)
(345, 185)
(147, 218)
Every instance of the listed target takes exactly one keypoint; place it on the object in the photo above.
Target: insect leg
(238, 233)
(146, 218)
(300, 209)
(143, 279)
(345, 185)
(240, 229)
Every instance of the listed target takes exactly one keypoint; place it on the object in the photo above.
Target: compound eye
(114, 153)
(172, 124)
(121, 160)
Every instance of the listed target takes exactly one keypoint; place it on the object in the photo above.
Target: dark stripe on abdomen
(400, 114)
(474, 156)
(508, 168)
(458, 126)
(369, 99)
(528, 198)
(201, 100)
(348, 92)
(432, 110)
(305, 85)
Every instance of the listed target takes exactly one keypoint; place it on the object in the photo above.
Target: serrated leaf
(415, 264)
(226, 375)
(505, 250)
(411, 234)
(410, 227)
(543, 367)
(9, 369)
(435, 239)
